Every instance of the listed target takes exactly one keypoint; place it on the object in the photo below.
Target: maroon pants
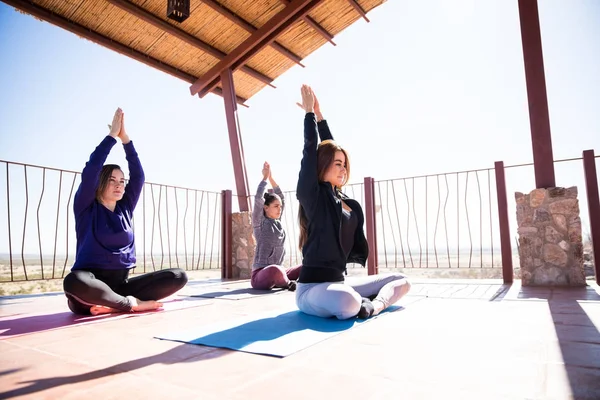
(274, 276)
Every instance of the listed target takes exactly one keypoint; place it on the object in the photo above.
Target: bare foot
(99, 310)
(378, 306)
(144, 305)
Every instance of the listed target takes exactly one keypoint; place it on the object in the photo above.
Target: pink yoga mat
(26, 323)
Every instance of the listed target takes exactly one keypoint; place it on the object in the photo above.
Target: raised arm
(258, 214)
(323, 128)
(86, 193)
(277, 190)
(259, 201)
(136, 173)
(307, 190)
(324, 132)
(136, 177)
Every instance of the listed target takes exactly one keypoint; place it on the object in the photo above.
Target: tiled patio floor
(468, 339)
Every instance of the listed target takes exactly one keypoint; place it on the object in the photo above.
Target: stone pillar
(242, 244)
(550, 244)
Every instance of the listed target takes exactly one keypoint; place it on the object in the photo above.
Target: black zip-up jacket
(324, 259)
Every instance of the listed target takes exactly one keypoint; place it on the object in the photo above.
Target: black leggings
(109, 288)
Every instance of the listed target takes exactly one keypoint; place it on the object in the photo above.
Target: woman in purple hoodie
(99, 281)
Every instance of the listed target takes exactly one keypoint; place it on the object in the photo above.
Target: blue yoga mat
(277, 334)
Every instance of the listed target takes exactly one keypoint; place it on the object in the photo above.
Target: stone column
(242, 245)
(550, 243)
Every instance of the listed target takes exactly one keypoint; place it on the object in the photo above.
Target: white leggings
(343, 299)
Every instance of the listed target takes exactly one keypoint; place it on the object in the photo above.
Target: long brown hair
(325, 158)
(104, 179)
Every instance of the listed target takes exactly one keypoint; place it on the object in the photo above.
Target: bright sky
(426, 87)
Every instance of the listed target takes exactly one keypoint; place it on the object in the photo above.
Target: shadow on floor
(578, 336)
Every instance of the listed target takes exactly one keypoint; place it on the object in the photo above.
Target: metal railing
(180, 228)
(174, 226)
(413, 222)
(430, 221)
(438, 221)
(448, 220)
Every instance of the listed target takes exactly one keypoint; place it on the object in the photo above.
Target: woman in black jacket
(331, 232)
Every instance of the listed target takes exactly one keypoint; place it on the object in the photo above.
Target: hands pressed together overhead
(117, 128)
(310, 103)
(267, 174)
(266, 171)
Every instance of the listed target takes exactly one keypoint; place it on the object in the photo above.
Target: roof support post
(235, 140)
(539, 119)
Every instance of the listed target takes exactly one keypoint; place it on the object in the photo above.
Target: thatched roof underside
(188, 50)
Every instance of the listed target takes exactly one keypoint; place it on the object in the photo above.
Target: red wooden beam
(315, 25)
(258, 40)
(359, 9)
(248, 27)
(539, 119)
(226, 238)
(370, 219)
(193, 41)
(505, 247)
(239, 100)
(82, 31)
(591, 188)
(235, 141)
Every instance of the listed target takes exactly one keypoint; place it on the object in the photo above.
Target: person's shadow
(38, 323)
(172, 356)
(277, 336)
(237, 294)
(44, 322)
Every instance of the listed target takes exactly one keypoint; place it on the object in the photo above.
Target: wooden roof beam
(315, 25)
(81, 31)
(219, 92)
(248, 27)
(359, 9)
(161, 24)
(282, 21)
